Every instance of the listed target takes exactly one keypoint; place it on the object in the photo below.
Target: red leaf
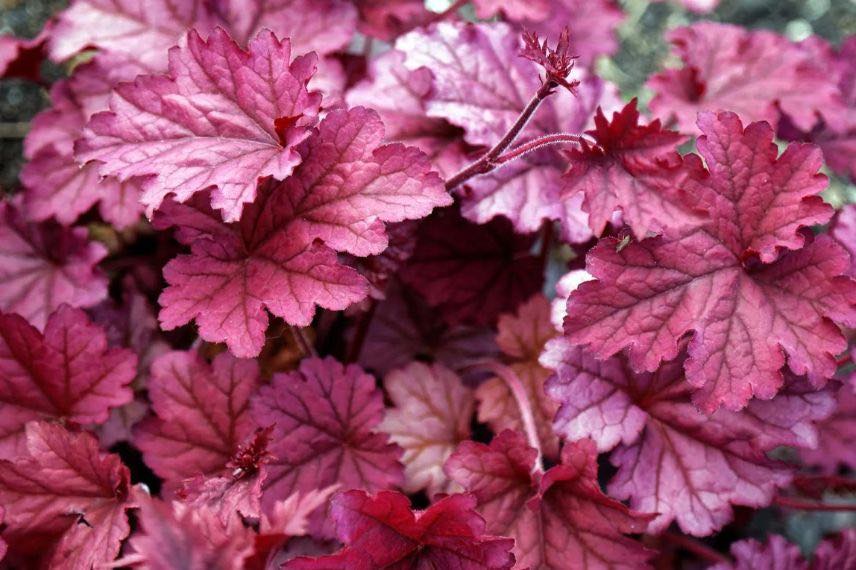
(521, 338)
(202, 413)
(68, 373)
(633, 168)
(750, 72)
(558, 519)
(746, 315)
(44, 265)
(157, 129)
(63, 486)
(381, 532)
(472, 273)
(324, 416)
(431, 417)
(671, 458)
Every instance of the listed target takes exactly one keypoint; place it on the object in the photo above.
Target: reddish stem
(540, 142)
(360, 333)
(523, 404)
(701, 550)
(304, 343)
(488, 161)
(546, 240)
(803, 505)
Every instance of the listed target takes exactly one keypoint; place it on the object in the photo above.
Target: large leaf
(202, 413)
(45, 265)
(324, 417)
(347, 186)
(66, 374)
(432, 415)
(672, 459)
(559, 519)
(472, 273)
(222, 117)
(749, 285)
(753, 73)
(632, 168)
(64, 487)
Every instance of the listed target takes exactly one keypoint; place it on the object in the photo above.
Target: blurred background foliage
(643, 51)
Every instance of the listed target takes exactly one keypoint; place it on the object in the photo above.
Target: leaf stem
(546, 241)
(303, 341)
(701, 550)
(356, 346)
(488, 161)
(523, 403)
(803, 505)
(537, 143)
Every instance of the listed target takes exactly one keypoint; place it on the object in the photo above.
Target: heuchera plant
(333, 284)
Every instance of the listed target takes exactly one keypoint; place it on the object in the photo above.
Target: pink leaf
(56, 186)
(271, 258)
(732, 282)
(776, 553)
(221, 118)
(128, 29)
(431, 417)
(521, 338)
(836, 552)
(404, 329)
(382, 183)
(44, 265)
(481, 84)
(68, 373)
(322, 26)
(671, 458)
(62, 481)
(388, 19)
(752, 73)
(381, 532)
(400, 95)
(558, 519)
(835, 434)
(142, 35)
(324, 416)
(593, 25)
(633, 168)
(843, 229)
(513, 9)
(472, 273)
(174, 536)
(202, 413)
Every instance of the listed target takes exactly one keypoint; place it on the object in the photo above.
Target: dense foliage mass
(334, 284)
